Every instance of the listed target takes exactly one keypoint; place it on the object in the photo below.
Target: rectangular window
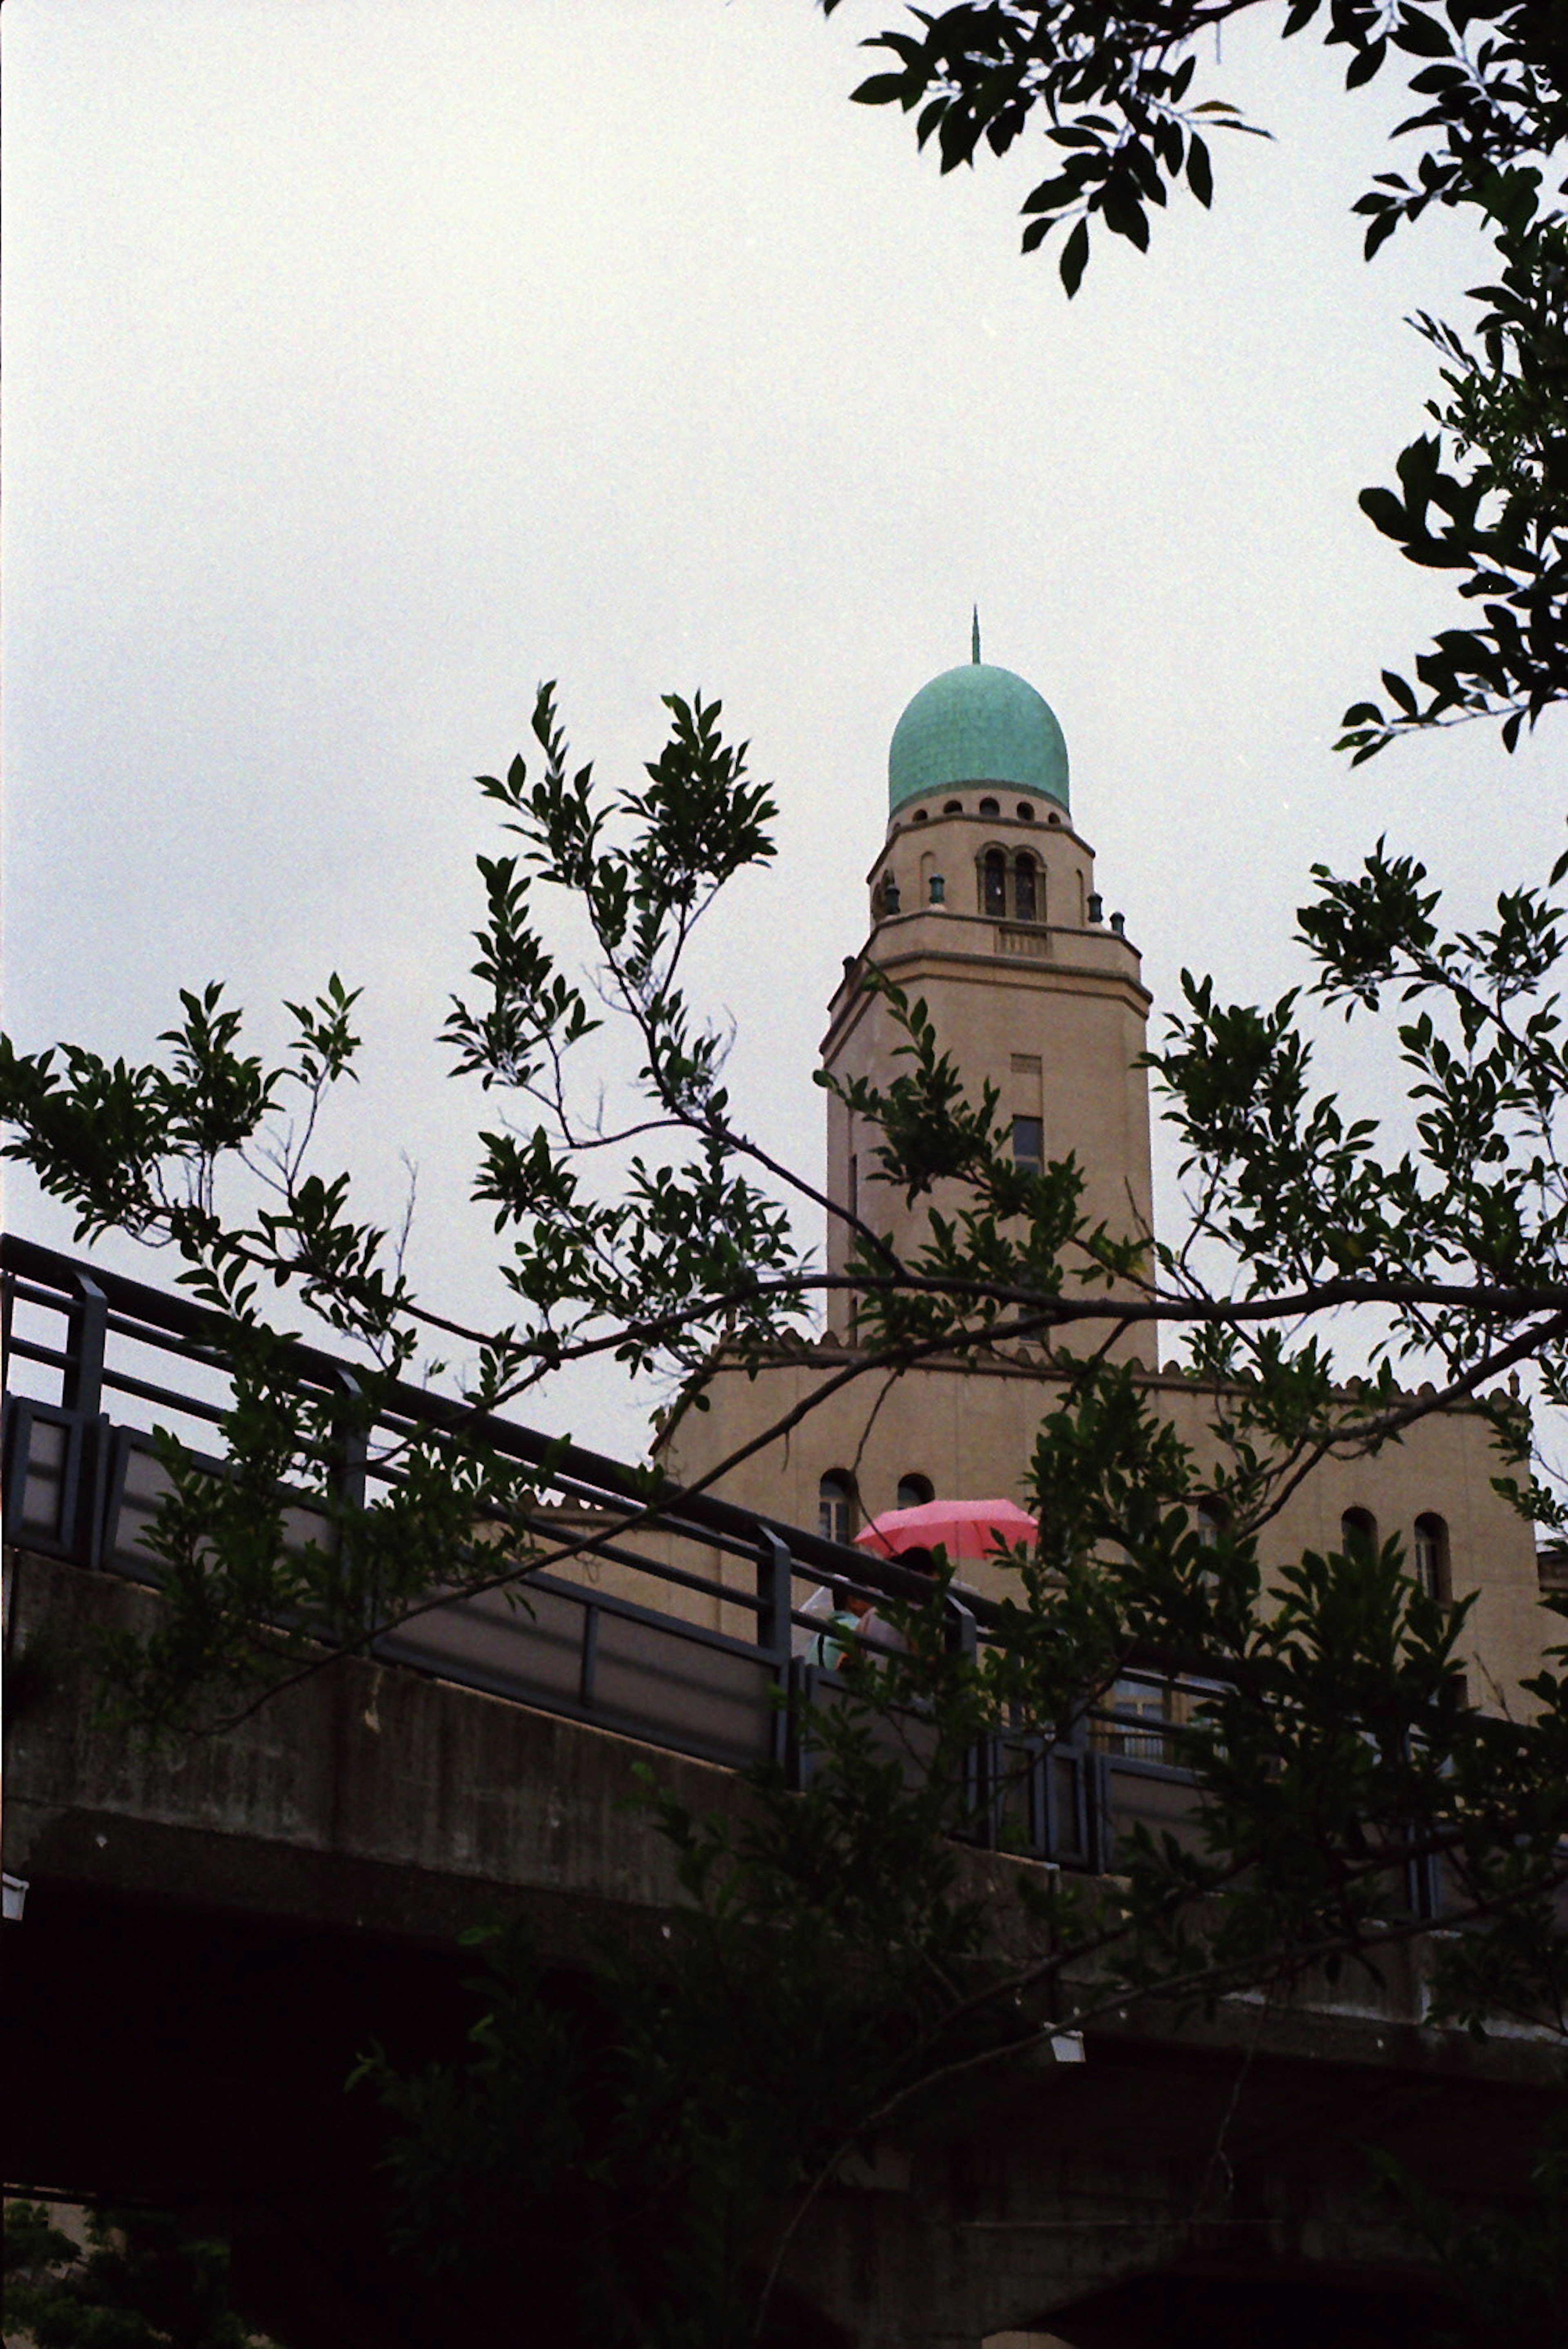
(1029, 1142)
(1135, 1724)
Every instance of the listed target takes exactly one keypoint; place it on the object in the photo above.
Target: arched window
(1026, 811)
(1211, 1518)
(990, 807)
(835, 1506)
(1357, 1531)
(994, 883)
(914, 1492)
(1430, 1560)
(952, 807)
(922, 815)
(1026, 889)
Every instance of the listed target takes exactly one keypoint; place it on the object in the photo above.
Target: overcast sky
(368, 360)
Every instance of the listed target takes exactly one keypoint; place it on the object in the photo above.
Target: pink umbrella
(964, 1528)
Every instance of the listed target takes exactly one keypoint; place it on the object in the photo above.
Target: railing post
(802, 1696)
(1100, 1839)
(345, 1475)
(774, 1592)
(16, 1438)
(1041, 1840)
(1424, 1887)
(81, 1393)
(81, 1381)
(979, 1761)
(350, 1444)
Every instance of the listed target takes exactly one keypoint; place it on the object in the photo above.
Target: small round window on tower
(922, 815)
(990, 807)
(952, 807)
(1026, 811)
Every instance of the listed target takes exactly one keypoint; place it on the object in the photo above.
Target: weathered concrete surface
(367, 1797)
(1235, 2186)
(212, 1939)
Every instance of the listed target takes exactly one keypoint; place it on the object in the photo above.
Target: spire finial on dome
(974, 637)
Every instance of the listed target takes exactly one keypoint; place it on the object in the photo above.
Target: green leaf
(881, 89)
(1074, 257)
(1421, 35)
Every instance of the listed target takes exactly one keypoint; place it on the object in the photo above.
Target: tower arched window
(914, 1492)
(994, 883)
(835, 1506)
(1026, 888)
(952, 807)
(1357, 1531)
(1430, 1559)
(991, 807)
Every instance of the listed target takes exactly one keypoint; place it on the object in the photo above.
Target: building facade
(983, 903)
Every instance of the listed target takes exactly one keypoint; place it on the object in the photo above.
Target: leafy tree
(138, 2281)
(1114, 91)
(1512, 2271)
(676, 2104)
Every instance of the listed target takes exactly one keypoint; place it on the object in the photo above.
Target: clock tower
(983, 906)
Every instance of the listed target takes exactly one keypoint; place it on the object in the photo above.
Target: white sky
(368, 360)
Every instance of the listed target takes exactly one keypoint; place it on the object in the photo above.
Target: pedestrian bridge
(685, 1631)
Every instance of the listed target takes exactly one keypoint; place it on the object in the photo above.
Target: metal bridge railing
(680, 1631)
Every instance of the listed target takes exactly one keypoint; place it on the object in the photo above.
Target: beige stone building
(983, 903)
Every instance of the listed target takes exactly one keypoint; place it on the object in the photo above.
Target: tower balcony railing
(687, 1631)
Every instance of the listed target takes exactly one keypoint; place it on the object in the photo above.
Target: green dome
(977, 724)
